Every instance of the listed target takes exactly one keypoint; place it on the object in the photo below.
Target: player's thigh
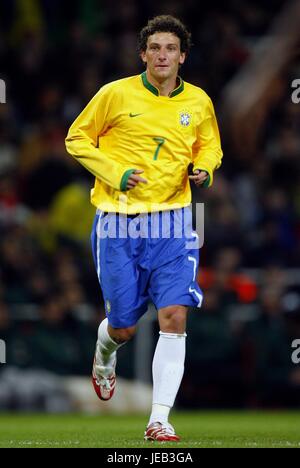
(174, 280)
(123, 283)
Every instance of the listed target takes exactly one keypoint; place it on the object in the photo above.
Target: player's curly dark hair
(165, 23)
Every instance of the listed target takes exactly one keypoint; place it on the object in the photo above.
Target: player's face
(163, 55)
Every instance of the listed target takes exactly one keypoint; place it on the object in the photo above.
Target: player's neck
(165, 87)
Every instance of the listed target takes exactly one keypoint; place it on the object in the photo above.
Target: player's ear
(143, 57)
(182, 58)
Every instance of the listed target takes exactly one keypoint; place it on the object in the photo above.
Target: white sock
(160, 413)
(106, 347)
(167, 369)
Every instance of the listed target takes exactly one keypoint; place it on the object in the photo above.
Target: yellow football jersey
(128, 125)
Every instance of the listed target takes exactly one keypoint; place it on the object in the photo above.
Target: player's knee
(122, 335)
(173, 320)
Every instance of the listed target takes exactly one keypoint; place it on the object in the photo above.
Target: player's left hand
(199, 177)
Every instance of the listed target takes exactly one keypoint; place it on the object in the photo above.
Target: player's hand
(135, 179)
(199, 177)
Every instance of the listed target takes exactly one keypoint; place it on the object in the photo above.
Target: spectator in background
(57, 338)
(213, 376)
(268, 362)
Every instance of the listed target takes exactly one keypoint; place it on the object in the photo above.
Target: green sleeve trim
(206, 183)
(126, 175)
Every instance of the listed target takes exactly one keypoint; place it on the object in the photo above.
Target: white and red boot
(104, 381)
(161, 432)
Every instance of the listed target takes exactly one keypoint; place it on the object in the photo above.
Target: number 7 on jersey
(160, 142)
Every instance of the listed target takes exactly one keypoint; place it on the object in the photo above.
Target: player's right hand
(135, 179)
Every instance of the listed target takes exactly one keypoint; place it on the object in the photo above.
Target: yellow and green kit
(127, 126)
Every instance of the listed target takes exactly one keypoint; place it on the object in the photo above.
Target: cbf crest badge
(185, 118)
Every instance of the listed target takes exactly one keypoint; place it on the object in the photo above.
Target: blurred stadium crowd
(54, 59)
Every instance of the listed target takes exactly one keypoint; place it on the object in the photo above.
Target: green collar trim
(179, 88)
(155, 91)
(148, 85)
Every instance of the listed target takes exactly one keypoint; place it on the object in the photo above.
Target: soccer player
(138, 136)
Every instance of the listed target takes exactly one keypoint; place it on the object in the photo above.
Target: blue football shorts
(151, 256)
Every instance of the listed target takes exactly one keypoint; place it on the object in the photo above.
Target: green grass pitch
(197, 429)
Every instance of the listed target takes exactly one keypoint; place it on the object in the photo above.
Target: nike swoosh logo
(134, 115)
